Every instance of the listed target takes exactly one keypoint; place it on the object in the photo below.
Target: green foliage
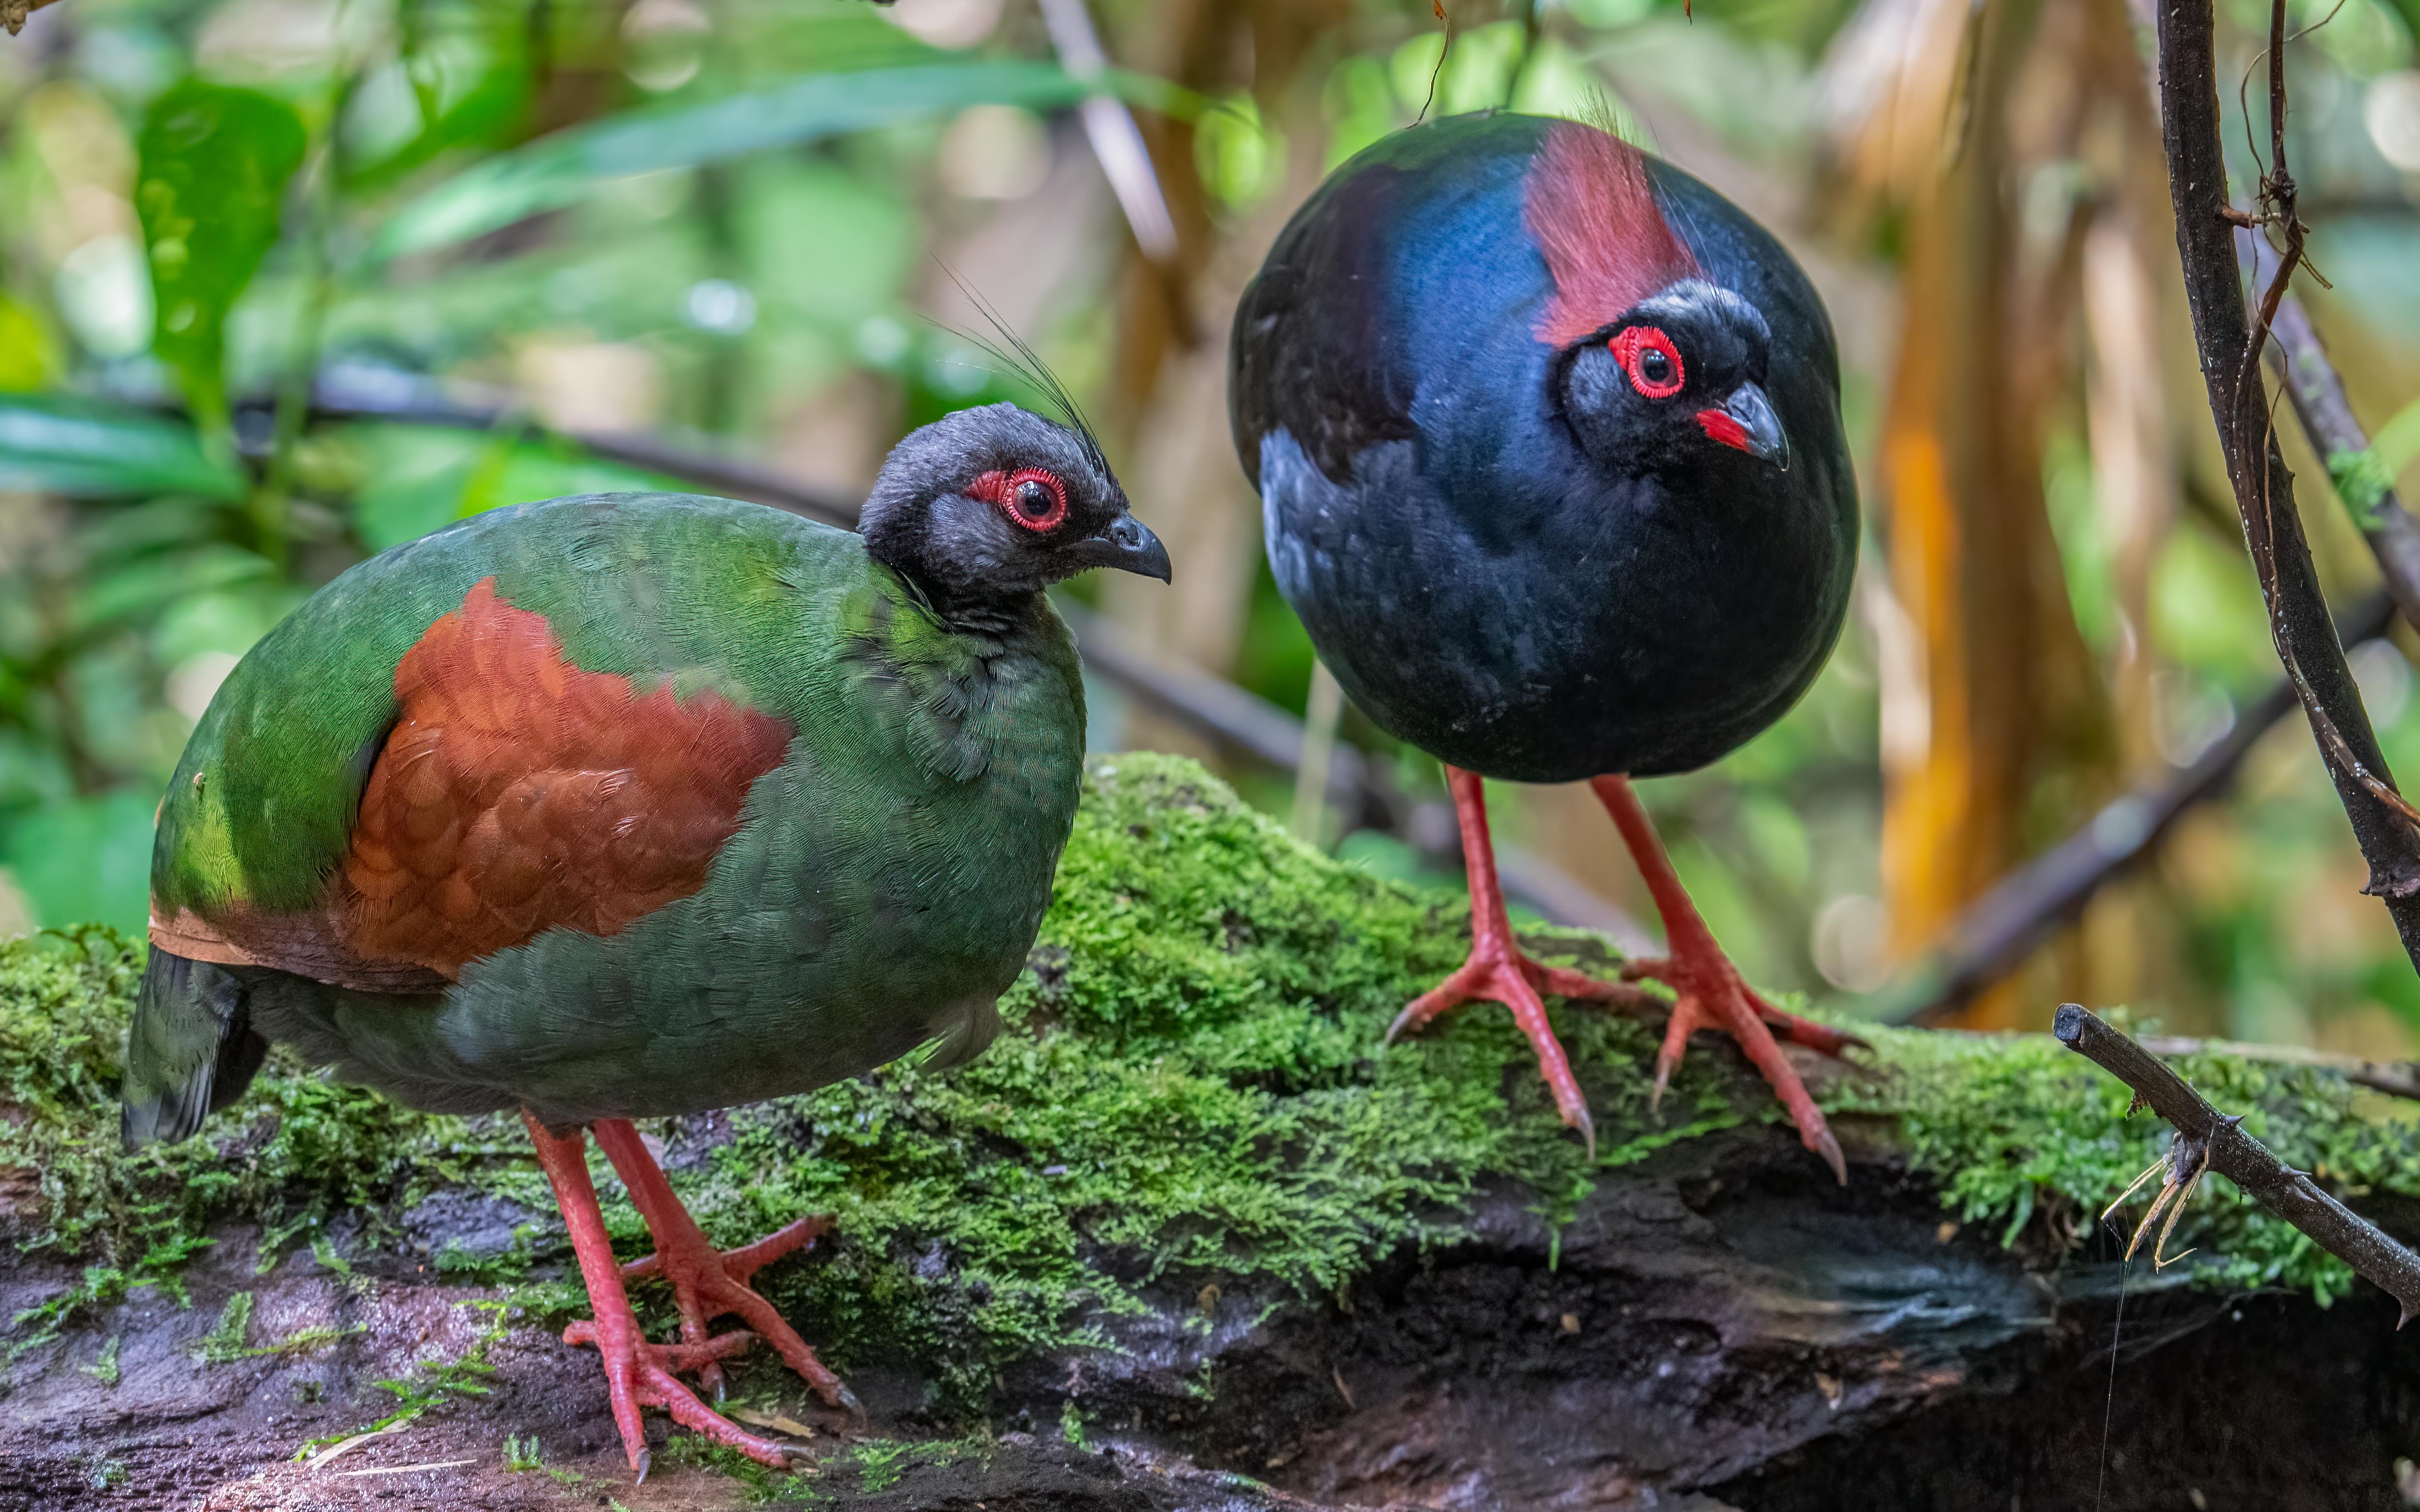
(80, 446)
(210, 190)
(759, 1483)
(226, 1342)
(565, 167)
(1071, 1426)
(26, 353)
(309, 1149)
(86, 859)
(104, 1367)
(436, 1382)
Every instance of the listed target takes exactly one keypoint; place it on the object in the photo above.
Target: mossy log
(1189, 1236)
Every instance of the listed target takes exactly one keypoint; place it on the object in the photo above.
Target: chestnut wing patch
(517, 794)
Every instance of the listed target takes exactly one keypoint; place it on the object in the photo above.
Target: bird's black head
(996, 504)
(1676, 382)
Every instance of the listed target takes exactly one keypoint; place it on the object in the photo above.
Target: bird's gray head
(997, 503)
(1676, 382)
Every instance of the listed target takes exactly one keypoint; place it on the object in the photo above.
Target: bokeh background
(732, 226)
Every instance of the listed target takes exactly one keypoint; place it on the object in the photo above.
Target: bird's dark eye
(1650, 360)
(1029, 496)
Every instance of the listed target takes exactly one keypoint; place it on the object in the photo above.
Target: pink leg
(1497, 971)
(1710, 991)
(637, 1373)
(706, 1282)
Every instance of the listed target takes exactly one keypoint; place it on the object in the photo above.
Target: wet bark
(1717, 1327)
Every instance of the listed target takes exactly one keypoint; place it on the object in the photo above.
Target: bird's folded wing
(514, 794)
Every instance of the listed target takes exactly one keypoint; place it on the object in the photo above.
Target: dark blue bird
(1548, 435)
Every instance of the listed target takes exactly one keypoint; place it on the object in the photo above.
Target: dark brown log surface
(1720, 1327)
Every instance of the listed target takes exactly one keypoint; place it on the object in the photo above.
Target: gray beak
(1127, 545)
(1746, 421)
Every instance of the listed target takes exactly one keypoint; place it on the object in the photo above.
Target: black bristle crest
(1025, 363)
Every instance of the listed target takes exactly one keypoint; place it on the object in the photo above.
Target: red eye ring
(1009, 492)
(1631, 347)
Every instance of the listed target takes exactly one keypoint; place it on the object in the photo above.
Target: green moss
(2361, 479)
(296, 1152)
(759, 1483)
(227, 1342)
(1193, 1080)
(2013, 1126)
(1192, 1084)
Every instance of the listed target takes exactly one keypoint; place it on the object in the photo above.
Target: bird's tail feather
(191, 1050)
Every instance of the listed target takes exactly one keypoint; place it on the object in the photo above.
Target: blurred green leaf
(227, 620)
(215, 164)
(557, 170)
(87, 859)
(483, 115)
(151, 582)
(25, 356)
(1239, 157)
(61, 444)
(423, 478)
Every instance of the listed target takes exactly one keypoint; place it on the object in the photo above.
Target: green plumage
(883, 887)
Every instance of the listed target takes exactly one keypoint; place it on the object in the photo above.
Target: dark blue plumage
(1547, 437)
(1481, 584)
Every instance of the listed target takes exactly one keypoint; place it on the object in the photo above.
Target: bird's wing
(498, 791)
(1314, 353)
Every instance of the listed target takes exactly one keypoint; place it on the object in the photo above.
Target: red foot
(1708, 990)
(1498, 972)
(706, 1282)
(637, 1373)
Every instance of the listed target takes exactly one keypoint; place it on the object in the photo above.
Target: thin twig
(1430, 98)
(1995, 933)
(2264, 490)
(2208, 1138)
(2277, 204)
(2317, 394)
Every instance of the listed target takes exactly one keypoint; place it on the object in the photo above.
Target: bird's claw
(1710, 993)
(1498, 972)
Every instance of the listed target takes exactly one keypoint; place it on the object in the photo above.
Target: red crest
(1589, 208)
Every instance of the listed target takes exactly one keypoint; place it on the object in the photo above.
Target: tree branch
(2336, 436)
(2207, 1138)
(2264, 490)
(1992, 935)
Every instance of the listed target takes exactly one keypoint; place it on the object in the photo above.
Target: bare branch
(2205, 1135)
(2264, 490)
(2319, 395)
(1993, 935)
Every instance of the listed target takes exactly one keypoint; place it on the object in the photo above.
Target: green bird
(634, 804)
